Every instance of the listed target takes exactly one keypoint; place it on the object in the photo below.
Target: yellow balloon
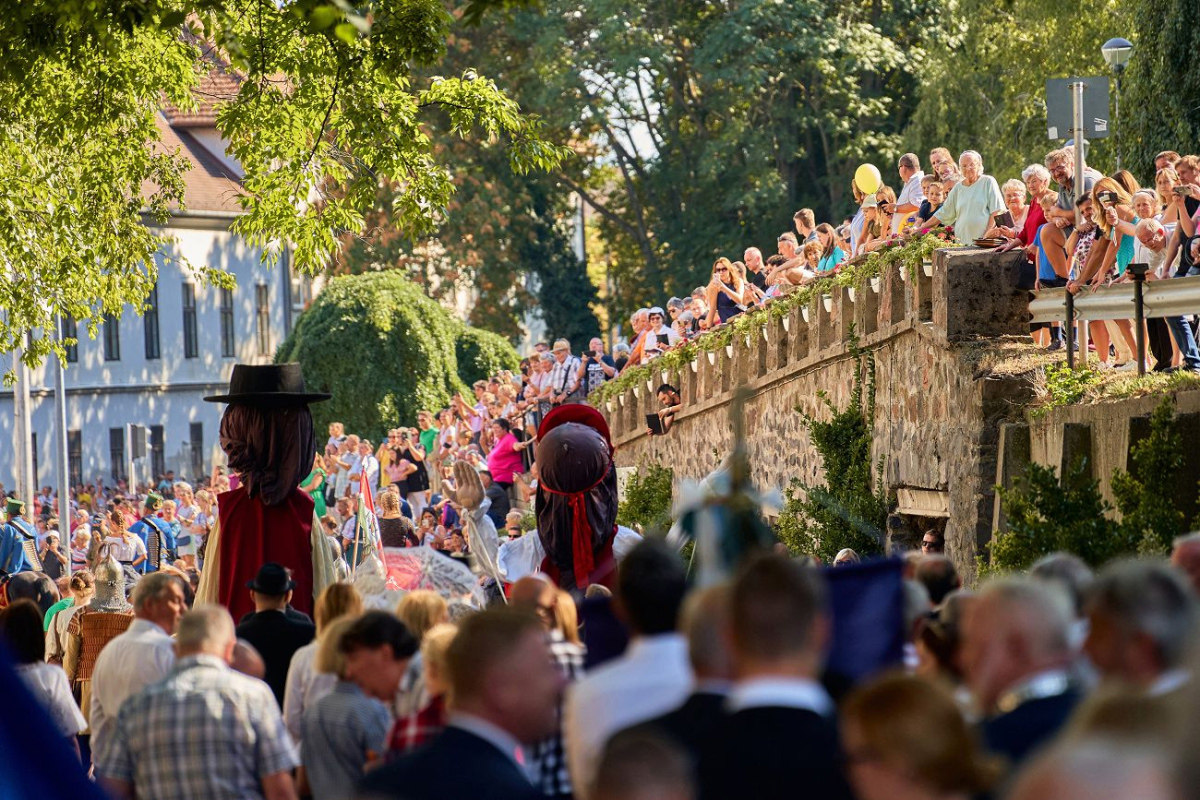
(868, 178)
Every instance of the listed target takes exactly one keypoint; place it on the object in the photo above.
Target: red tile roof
(209, 185)
(220, 84)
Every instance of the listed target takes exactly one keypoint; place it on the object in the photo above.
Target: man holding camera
(595, 367)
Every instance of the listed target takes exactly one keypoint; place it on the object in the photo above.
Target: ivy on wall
(850, 509)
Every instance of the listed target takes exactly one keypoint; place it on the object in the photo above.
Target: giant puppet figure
(267, 436)
(577, 497)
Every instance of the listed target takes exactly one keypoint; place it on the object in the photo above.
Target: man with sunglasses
(932, 543)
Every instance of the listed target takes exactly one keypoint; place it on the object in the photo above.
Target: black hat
(267, 384)
(272, 579)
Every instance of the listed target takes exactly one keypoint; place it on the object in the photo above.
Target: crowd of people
(1123, 223)
(1062, 682)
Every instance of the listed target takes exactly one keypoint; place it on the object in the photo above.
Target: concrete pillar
(1076, 445)
(1011, 462)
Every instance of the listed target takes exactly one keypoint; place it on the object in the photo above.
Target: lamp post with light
(1116, 52)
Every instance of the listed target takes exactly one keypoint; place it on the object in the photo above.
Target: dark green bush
(482, 353)
(383, 349)
(647, 504)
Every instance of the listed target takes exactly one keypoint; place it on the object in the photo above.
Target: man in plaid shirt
(202, 732)
(548, 757)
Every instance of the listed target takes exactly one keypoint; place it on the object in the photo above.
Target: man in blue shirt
(156, 534)
(18, 541)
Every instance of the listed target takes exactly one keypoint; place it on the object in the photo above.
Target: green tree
(1158, 110)
(647, 503)
(384, 350)
(331, 101)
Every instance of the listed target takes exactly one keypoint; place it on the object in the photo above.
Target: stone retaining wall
(937, 422)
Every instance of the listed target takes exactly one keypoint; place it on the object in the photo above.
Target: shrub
(1150, 517)
(482, 353)
(381, 347)
(647, 504)
(851, 509)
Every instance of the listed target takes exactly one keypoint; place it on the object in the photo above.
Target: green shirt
(66, 602)
(969, 208)
(428, 439)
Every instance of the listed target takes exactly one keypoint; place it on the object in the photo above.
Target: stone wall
(937, 422)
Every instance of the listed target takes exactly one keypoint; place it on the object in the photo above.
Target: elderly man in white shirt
(652, 677)
(911, 195)
(143, 655)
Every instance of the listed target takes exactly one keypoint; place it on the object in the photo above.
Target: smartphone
(1182, 191)
(1107, 198)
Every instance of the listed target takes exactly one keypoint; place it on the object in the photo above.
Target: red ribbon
(583, 561)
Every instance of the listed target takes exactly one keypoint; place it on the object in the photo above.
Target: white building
(153, 369)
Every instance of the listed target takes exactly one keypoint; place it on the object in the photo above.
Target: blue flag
(35, 761)
(866, 603)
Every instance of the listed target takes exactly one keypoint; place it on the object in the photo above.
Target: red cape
(253, 533)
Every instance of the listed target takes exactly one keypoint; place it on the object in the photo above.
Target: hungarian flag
(366, 528)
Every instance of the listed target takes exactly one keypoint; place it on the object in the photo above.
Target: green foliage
(331, 104)
(482, 353)
(1150, 517)
(850, 509)
(382, 348)
(1046, 515)
(1064, 387)
(1161, 70)
(647, 504)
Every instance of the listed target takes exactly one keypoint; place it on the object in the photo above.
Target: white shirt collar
(145, 627)
(800, 693)
(663, 645)
(499, 738)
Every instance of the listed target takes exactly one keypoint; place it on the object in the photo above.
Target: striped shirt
(204, 731)
(338, 732)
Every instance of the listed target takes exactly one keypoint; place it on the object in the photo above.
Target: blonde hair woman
(906, 737)
(1111, 203)
(724, 292)
(306, 681)
(420, 611)
(566, 618)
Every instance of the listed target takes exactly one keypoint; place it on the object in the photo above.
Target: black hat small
(268, 384)
(272, 579)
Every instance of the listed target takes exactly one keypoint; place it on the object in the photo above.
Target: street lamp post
(1116, 53)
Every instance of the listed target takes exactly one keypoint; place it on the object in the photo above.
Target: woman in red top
(1037, 180)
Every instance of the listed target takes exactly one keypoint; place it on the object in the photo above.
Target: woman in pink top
(505, 459)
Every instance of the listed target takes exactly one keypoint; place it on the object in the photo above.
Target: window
(158, 462)
(191, 348)
(116, 452)
(150, 325)
(75, 457)
(227, 322)
(196, 445)
(70, 330)
(262, 317)
(112, 338)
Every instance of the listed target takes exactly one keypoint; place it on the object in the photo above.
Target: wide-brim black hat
(272, 579)
(268, 384)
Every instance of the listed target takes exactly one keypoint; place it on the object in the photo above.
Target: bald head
(705, 623)
(536, 594)
(1095, 770)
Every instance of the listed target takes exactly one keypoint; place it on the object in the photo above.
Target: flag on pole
(366, 527)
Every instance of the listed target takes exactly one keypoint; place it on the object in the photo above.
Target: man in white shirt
(652, 677)
(911, 195)
(368, 464)
(564, 375)
(143, 655)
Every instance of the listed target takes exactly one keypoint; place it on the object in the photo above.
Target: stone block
(975, 294)
(893, 306)
(922, 292)
(842, 317)
(866, 310)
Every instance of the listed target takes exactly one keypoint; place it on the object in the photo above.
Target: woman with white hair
(1014, 193)
(973, 202)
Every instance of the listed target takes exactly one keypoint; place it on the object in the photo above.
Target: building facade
(153, 369)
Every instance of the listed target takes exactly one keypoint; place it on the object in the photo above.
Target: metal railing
(1136, 300)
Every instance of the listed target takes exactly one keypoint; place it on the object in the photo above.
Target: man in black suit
(780, 739)
(506, 689)
(705, 623)
(1016, 655)
(274, 634)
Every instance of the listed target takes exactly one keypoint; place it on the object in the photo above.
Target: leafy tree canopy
(333, 100)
